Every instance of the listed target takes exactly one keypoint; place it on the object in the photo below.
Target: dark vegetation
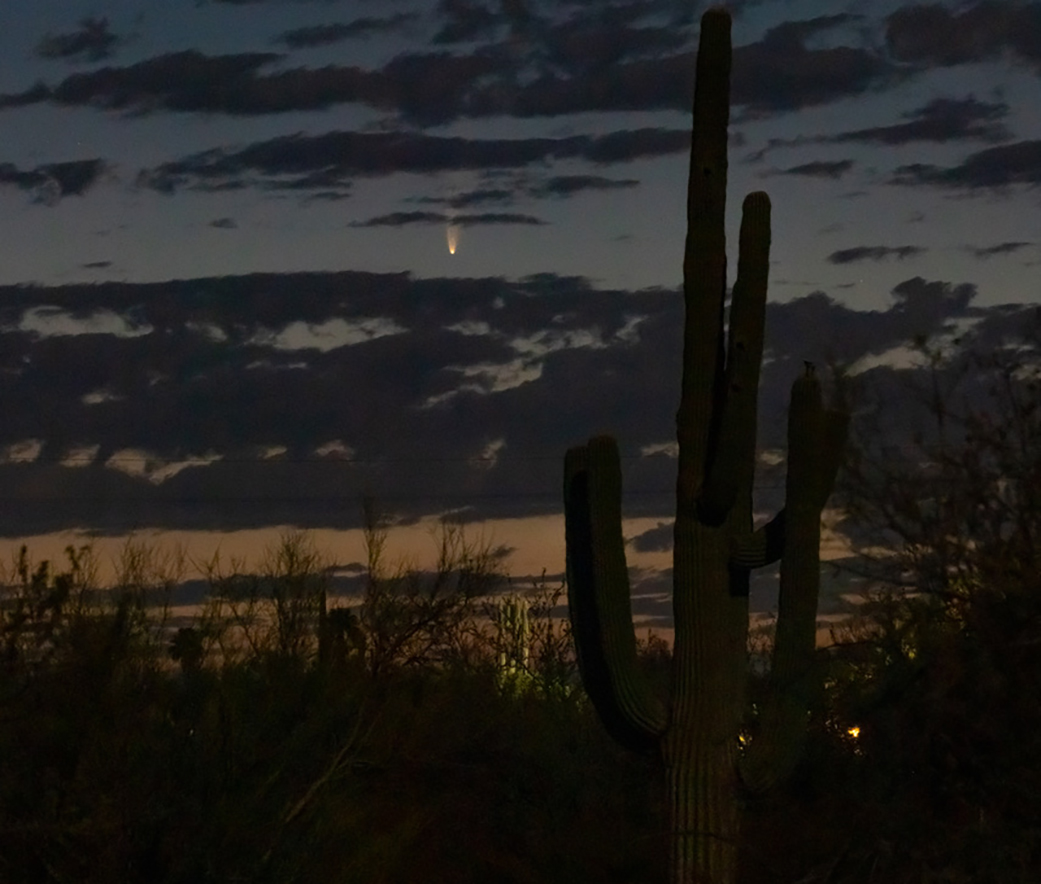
(424, 732)
(941, 666)
(419, 735)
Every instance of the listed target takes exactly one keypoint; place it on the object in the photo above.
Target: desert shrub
(939, 669)
(136, 748)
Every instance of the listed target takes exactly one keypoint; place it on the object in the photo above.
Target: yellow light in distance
(453, 238)
(853, 731)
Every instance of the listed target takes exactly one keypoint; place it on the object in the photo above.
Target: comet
(453, 238)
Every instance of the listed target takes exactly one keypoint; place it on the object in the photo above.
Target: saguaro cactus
(514, 637)
(695, 730)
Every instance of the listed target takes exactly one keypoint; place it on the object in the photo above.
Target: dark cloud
(96, 265)
(462, 393)
(796, 33)
(657, 539)
(931, 34)
(74, 178)
(642, 84)
(520, 17)
(567, 185)
(779, 74)
(424, 88)
(224, 223)
(471, 198)
(255, 2)
(435, 88)
(596, 60)
(52, 182)
(555, 186)
(940, 120)
(400, 219)
(820, 169)
(629, 144)
(332, 159)
(1004, 248)
(33, 95)
(926, 303)
(873, 253)
(326, 196)
(586, 46)
(464, 21)
(209, 377)
(181, 81)
(328, 182)
(994, 167)
(337, 32)
(93, 41)
(819, 329)
(493, 218)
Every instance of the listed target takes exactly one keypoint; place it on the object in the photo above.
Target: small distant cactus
(187, 648)
(695, 734)
(514, 639)
(340, 636)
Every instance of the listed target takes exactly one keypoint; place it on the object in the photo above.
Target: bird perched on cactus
(694, 731)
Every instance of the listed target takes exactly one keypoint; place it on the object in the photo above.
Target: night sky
(228, 300)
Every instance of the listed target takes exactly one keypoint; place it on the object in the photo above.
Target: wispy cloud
(401, 219)
(779, 73)
(567, 185)
(557, 186)
(818, 169)
(52, 182)
(595, 60)
(941, 120)
(1003, 248)
(931, 34)
(332, 159)
(462, 20)
(93, 42)
(992, 168)
(337, 32)
(873, 253)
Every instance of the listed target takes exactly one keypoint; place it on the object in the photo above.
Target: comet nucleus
(453, 238)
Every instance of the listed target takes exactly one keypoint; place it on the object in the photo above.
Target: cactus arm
(598, 597)
(764, 546)
(815, 442)
(704, 258)
(732, 457)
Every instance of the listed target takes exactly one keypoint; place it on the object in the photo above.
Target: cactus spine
(695, 732)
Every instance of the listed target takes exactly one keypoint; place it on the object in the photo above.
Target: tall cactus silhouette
(695, 730)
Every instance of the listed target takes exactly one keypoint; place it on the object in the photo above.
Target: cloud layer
(268, 399)
(467, 61)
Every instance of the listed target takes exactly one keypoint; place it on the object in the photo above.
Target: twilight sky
(150, 141)
(300, 167)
